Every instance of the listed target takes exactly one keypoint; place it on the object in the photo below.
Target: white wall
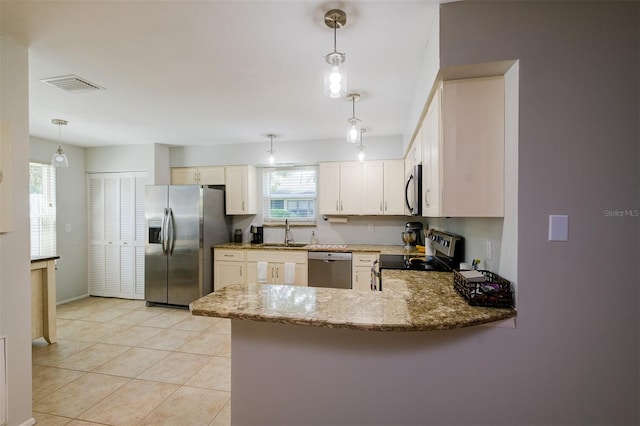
(15, 287)
(308, 152)
(124, 158)
(71, 201)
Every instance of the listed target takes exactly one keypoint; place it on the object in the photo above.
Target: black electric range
(448, 253)
(415, 262)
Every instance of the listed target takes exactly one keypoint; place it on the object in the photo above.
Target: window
(289, 193)
(42, 209)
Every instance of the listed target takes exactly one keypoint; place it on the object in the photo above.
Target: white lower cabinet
(362, 263)
(275, 266)
(228, 268)
(116, 234)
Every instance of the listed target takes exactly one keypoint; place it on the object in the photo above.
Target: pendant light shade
(361, 147)
(353, 127)
(335, 72)
(271, 152)
(59, 158)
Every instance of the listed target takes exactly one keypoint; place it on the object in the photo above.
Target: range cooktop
(413, 262)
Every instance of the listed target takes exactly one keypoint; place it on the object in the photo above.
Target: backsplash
(387, 230)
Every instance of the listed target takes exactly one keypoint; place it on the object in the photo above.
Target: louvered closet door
(112, 234)
(117, 232)
(140, 181)
(96, 234)
(127, 221)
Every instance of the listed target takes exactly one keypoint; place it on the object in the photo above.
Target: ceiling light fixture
(59, 158)
(353, 131)
(271, 152)
(335, 74)
(361, 147)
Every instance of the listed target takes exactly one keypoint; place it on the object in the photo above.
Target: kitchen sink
(283, 245)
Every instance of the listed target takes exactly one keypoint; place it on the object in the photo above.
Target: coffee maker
(257, 236)
(415, 227)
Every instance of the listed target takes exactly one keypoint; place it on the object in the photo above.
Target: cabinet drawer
(283, 256)
(229, 255)
(364, 259)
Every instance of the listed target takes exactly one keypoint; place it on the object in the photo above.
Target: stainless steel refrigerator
(183, 223)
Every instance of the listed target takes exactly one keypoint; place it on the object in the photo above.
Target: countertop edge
(44, 258)
(414, 301)
(509, 313)
(349, 248)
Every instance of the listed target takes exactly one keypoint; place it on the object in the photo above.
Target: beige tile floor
(119, 362)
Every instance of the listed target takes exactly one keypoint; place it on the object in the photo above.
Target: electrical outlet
(489, 249)
(67, 227)
(372, 227)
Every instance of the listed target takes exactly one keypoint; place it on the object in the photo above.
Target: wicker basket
(494, 292)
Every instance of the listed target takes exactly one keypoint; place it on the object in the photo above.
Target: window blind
(289, 193)
(42, 209)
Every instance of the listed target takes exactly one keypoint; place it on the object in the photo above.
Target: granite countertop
(374, 248)
(411, 301)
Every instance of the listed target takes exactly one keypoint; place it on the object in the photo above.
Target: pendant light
(271, 152)
(59, 158)
(353, 130)
(335, 73)
(361, 147)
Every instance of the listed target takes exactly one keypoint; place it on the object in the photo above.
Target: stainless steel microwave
(413, 191)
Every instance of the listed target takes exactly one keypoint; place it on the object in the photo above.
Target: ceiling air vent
(72, 83)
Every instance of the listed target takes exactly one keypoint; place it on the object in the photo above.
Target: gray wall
(15, 288)
(574, 357)
(71, 201)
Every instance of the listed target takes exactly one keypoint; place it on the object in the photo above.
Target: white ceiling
(216, 72)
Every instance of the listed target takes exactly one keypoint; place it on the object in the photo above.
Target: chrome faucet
(288, 236)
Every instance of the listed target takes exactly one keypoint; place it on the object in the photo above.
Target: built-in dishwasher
(329, 269)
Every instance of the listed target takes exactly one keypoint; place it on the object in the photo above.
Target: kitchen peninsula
(329, 356)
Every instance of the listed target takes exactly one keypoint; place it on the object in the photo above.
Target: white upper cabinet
(463, 152)
(351, 188)
(214, 175)
(383, 187)
(393, 187)
(339, 188)
(241, 190)
(373, 187)
(361, 188)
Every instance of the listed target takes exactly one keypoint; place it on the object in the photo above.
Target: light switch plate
(558, 227)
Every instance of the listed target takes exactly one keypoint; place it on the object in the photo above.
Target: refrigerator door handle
(163, 231)
(170, 232)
